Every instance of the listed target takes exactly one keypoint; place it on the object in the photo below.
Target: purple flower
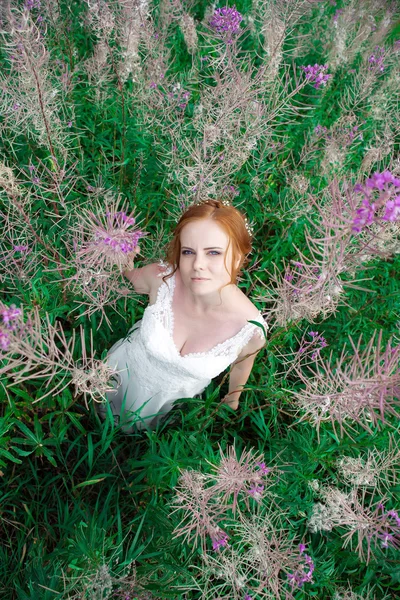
(16, 106)
(256, 491)
(219, 541)
(300, 576)
(365, 216)
(386, 183)
(263, 468)
(392, 210)
(10, 314)
(316, 74)
(386, 537)
(248, 597)
(319, 130)
(4, 340)
(20, 248)
(31, 4)
(378, 180)
(226, 21)
(69, 124)
(153, 85)
(313, 333)
(376, 59)
(337, 13)
(394, 514)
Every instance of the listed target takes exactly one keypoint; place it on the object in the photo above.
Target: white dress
(153, 374)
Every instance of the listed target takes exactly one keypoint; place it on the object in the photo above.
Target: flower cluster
(10, 322)
(376, 59)
(316, 338)
(246, 476)
(342, 135)
(391, 533)
(179, 97)
(219, 540)
(125, 243)
(320, 131)
(379, 469)
(31, 4)
(338, 12)
(226, 21)
(361, 387)
(370, 524)
(301, 576)
(389, 196)
(316, 74)
(206, 506)
(109, 238)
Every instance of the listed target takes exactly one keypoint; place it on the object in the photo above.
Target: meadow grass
(142, 108)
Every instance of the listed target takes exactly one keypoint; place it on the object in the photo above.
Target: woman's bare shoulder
(158, 271)
(243, 306)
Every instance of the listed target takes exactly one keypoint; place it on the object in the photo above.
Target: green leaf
(9, 456)
(93, 481)
(29, 434)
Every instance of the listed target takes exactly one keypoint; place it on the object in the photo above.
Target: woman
(196, 322)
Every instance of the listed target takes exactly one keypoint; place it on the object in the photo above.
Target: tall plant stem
(121, 89)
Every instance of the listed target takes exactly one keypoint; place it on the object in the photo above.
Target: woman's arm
(144, 278)
(241, 369)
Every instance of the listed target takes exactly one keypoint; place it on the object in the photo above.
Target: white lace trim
(163, 311)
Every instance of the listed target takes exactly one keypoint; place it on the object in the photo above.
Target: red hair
(230, 219)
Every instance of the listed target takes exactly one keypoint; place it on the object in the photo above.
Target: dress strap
(248, 331)
(166, 289)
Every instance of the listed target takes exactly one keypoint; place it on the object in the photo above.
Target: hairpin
(249, 228)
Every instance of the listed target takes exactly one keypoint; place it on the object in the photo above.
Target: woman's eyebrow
(211, 248)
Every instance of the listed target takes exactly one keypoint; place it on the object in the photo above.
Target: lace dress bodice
(153, 373)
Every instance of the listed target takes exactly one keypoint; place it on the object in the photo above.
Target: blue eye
(215, 251)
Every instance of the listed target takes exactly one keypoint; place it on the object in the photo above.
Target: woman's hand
(232, 402)
(131, 256)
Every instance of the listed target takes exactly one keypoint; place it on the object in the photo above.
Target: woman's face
(203, 253)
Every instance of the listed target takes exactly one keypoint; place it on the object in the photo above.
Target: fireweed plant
(115, 116)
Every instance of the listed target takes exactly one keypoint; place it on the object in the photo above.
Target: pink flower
(301, 576)
(220, 540)
(10, 314)
(226, 21)
(392, 210)
(365, 216)
(263, 468)
(386, 183)
(4, 340)
(256, 491)
(316, 74)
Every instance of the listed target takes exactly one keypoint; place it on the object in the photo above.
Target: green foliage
(77, 495)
